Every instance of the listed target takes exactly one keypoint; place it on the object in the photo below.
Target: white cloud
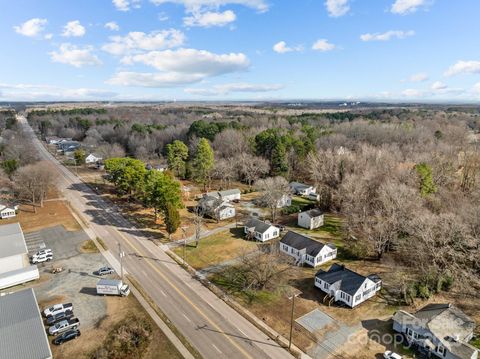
(32, 27)
(438, 85)
(323, 45)
(48, 36)
(144, 79)
(420, 77)
(226, 89)
(178, 67)
(464, 67)
(112, 25)
(209, 19)
(193, 61)
(42, 92)
(73, 29)
(75, 56)
(412, 93)
(337, 8)
(403, 7)
(387, 35)
(136, 41)
(282, 48)
(162, 16)
(126, 5)
(201, 5)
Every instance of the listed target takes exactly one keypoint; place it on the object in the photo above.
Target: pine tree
(202, 163)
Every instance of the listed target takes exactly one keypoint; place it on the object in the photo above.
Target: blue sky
(407, 50)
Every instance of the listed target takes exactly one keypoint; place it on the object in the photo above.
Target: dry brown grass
(53, 213)
(117, 309)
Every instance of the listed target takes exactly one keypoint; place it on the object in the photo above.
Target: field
(217, 248)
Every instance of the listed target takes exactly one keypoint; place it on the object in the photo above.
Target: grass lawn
(217, 248)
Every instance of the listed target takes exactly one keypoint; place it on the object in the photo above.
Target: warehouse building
(22, 335)
(15, 267)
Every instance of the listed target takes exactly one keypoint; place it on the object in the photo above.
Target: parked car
(58, 308)
(63, 326)
(391, 355)
(47, 257)
(42, 252)
(281, 227)
(104, 271)
(52, 319)
(66, 336)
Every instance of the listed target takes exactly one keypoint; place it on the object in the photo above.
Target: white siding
(305, 221)
(368, 289)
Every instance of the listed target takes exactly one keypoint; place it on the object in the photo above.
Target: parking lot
(75, 283)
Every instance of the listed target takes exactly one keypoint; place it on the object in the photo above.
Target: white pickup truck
(58, 308)
(64, 325)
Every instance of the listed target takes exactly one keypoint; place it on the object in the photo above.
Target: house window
(358, 297)
(441, 350)
(326, 285)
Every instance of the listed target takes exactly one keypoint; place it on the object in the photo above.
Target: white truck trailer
(112, 287)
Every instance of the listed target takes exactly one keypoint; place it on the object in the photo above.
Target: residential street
(210, 325)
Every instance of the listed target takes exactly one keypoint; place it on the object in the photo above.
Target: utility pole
(184, 229)
(121, 255)
(292, 297)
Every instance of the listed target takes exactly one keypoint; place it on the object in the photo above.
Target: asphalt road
(210, 325)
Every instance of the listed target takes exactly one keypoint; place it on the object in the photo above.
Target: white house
(285, 201)
(8, 211)
(442, 329)
(227, 195)
(14, 262)
(307, 250)
(216, 208)
(260, 230)
(310, 219)
(93, 158)
(346, 286)
(302, 189)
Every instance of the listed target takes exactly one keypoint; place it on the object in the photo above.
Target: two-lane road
(209, 324)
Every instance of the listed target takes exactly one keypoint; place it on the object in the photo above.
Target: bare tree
(274, 189)
(33, 181)
(226, 171)
(197, 223)
(251, 168)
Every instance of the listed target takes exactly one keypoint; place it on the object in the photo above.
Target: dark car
(59, 316)
(66, 336)
(104, 271)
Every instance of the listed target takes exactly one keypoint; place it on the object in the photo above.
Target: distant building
(22, 334)
(302, 189)
(306, 250)
(227, 195)
(310, 219)
(285, 201)
(15, 267)
(216, 208)
(8, 211)
(346, 286)
(93, 158)
(260, 230)
(442, 329)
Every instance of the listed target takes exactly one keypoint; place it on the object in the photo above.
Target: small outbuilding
(22, 334)
(8, 211)
(310, 219)
(93, 158)
(260, 230)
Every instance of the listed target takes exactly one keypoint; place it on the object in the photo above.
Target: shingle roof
(312, 213)
(22, 335)
(298, 185)
(299, 242)
(349, 280)
(12, 241)
(258, 225)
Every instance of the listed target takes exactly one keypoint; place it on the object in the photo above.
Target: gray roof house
(22, 334)
(227, 195)
(260, 230)
(306, 250)
(310, 219)
(344, 285)
(301, 188)
(442, 329)
(216, 208)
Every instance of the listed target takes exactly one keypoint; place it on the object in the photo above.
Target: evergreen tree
(203, 162)
(427, 186)
(177, 154)
(172, 219)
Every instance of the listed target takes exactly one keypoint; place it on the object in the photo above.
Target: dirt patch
(89, 247)
(53, 213)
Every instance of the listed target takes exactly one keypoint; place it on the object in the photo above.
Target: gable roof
(349, 281)
(299, 242)
(299, 186)
(258, 225)
(313, 213)
(12, 241)
(22, 335)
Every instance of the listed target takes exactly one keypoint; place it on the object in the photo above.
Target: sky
(165, 50)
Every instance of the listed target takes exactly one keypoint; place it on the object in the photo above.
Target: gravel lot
(76, 283)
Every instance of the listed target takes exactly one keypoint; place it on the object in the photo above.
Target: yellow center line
(184, 296)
